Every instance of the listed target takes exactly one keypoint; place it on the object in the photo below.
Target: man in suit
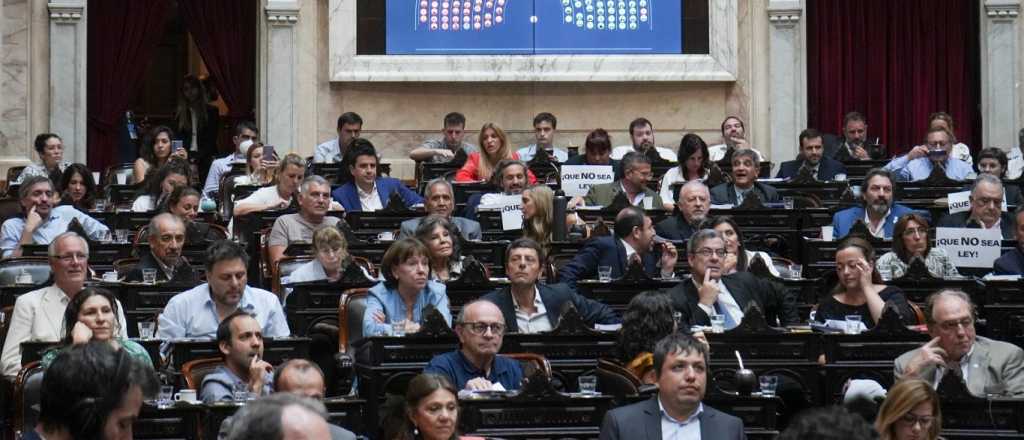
(166, 239)
(878, 213)
(811, 156)
(853, 145)
(988, 366)
(744, 182)
(1012, 263)
(633, 239)
(532, 307)
(694, 203)
(709, 292)
(511, 176)
(636, 170)
(681, 367)
(986, 209)
(440, 201)
(367, 191)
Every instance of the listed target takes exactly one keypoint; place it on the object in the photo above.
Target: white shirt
(532, 323)
(39, 316)
(728, 303)
(327, 152)
(369, 200)
(622, 150)
(963, 152)
(717, 153)
(751, 255)
(261, 197)
(143, 203)
(1015, 164)
(629, 250)
(672, 429)
(673, 175)
(878, 232)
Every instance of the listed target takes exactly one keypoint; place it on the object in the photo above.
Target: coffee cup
(187, 396)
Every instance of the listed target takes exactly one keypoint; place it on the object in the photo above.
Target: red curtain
(225, 33)
(896, 62)
(122, 35)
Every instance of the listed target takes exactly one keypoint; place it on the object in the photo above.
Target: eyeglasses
(909, 419)
(479, 328)
(707, 252)
(68, 258)
(952, 325)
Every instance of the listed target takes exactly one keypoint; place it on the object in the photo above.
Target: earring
(415, 431)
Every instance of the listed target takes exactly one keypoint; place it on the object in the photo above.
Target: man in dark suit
(166, 239)
(694, 203)
(853, 145)
(531, 307)
(633, 239)
(681, 366)
(1012, 263)
(986, 209)
(368, 191)
(744, 182)
(811, 156)
(710, 292)
(440, 201)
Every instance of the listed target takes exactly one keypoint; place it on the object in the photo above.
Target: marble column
(278, 80)
(787, 77)
(14, 55)
(68, 76)
(1000, 64)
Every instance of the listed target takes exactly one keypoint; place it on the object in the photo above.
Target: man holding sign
(985, 209)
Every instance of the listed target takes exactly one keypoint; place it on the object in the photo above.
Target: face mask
(244, 146)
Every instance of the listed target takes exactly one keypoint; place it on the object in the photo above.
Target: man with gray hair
(986, 209)
(38, 314)
(709, 291)
(694, 203)
(42, 221)
(166, 240)
(987, 366)
(744, 183)
(281, 416)
(314, 201)
(440, 201)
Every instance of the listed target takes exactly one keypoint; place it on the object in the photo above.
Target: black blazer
(183, 274)
(603, 251)
(777, 304)
(642, 421)
(838, 151)
(827, 169)
(675, 228)
(725, 194)
(1010, 263)
(554, 297)
(1007, 223)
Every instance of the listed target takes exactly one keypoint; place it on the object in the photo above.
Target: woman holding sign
(860, 292)
(493, 149)
(910, 240)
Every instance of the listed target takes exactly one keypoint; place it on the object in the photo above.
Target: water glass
(788, 202)
(121, 235)
(768, 385)
(100, 205)
(147, 329)
(604, 274)
(240, 392)
(149, 276)
(398, 329)
(853, 323)
(166, 396)
(717, 323)
(588, 384)
(795, 271)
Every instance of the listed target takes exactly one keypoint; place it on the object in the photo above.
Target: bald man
(476, 365)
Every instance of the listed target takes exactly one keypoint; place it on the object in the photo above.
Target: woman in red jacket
(493, 148)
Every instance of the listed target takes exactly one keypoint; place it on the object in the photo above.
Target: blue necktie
(720, 309)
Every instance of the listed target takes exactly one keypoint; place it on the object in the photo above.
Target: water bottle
(560, 202)
(132, 133)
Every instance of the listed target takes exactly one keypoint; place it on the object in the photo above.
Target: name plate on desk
(577, 179)
(970, 247)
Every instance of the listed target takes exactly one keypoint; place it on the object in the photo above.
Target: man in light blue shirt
(246, 134)
(919, 162)
(240, 341)
(544, 127)
(350, 125)
(197, 312)
(42, 221)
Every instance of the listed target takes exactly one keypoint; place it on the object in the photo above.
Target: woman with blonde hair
(538, 218)
(493, 149)
(911, 411)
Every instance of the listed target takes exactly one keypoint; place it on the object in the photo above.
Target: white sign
(961, 201)
(970, 247)
(511, 207)
(577, 179)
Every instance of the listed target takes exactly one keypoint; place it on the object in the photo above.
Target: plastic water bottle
(132, 133)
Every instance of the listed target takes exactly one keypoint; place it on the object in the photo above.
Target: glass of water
(718, 323)
(795, 271)
(768, 385)
(788, 202)
(121, 235)
(588, 384)
(604, 274)
(147, 329)
(100, 205)
(149, 276)
(398, 329)
(240, 392)
(166, 396)
(853, 324)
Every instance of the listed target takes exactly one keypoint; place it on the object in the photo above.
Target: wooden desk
(556, 416)
(203, 421)
(34, 350)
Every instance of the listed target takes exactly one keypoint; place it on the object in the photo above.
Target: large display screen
(524, 27)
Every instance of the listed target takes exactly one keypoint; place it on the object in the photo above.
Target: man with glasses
(636, 171)
(986, 209)
(708, 292)
(919, 162)
(314, 201)
(42, 221)
(476, 365)
(38, 315)
(444, 150)
(987, 366)
(166, 239)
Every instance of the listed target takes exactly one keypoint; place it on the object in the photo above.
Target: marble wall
(14, 84)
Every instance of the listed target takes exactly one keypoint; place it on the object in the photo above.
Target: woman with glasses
(738, 258)
(910, 240)
(93, 315)
(405, 292)
(911, 411)
(444, 243)
(860, 290)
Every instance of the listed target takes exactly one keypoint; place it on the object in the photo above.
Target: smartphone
(268, 153)
(177, 145)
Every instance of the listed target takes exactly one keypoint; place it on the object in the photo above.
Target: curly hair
(648, 318)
